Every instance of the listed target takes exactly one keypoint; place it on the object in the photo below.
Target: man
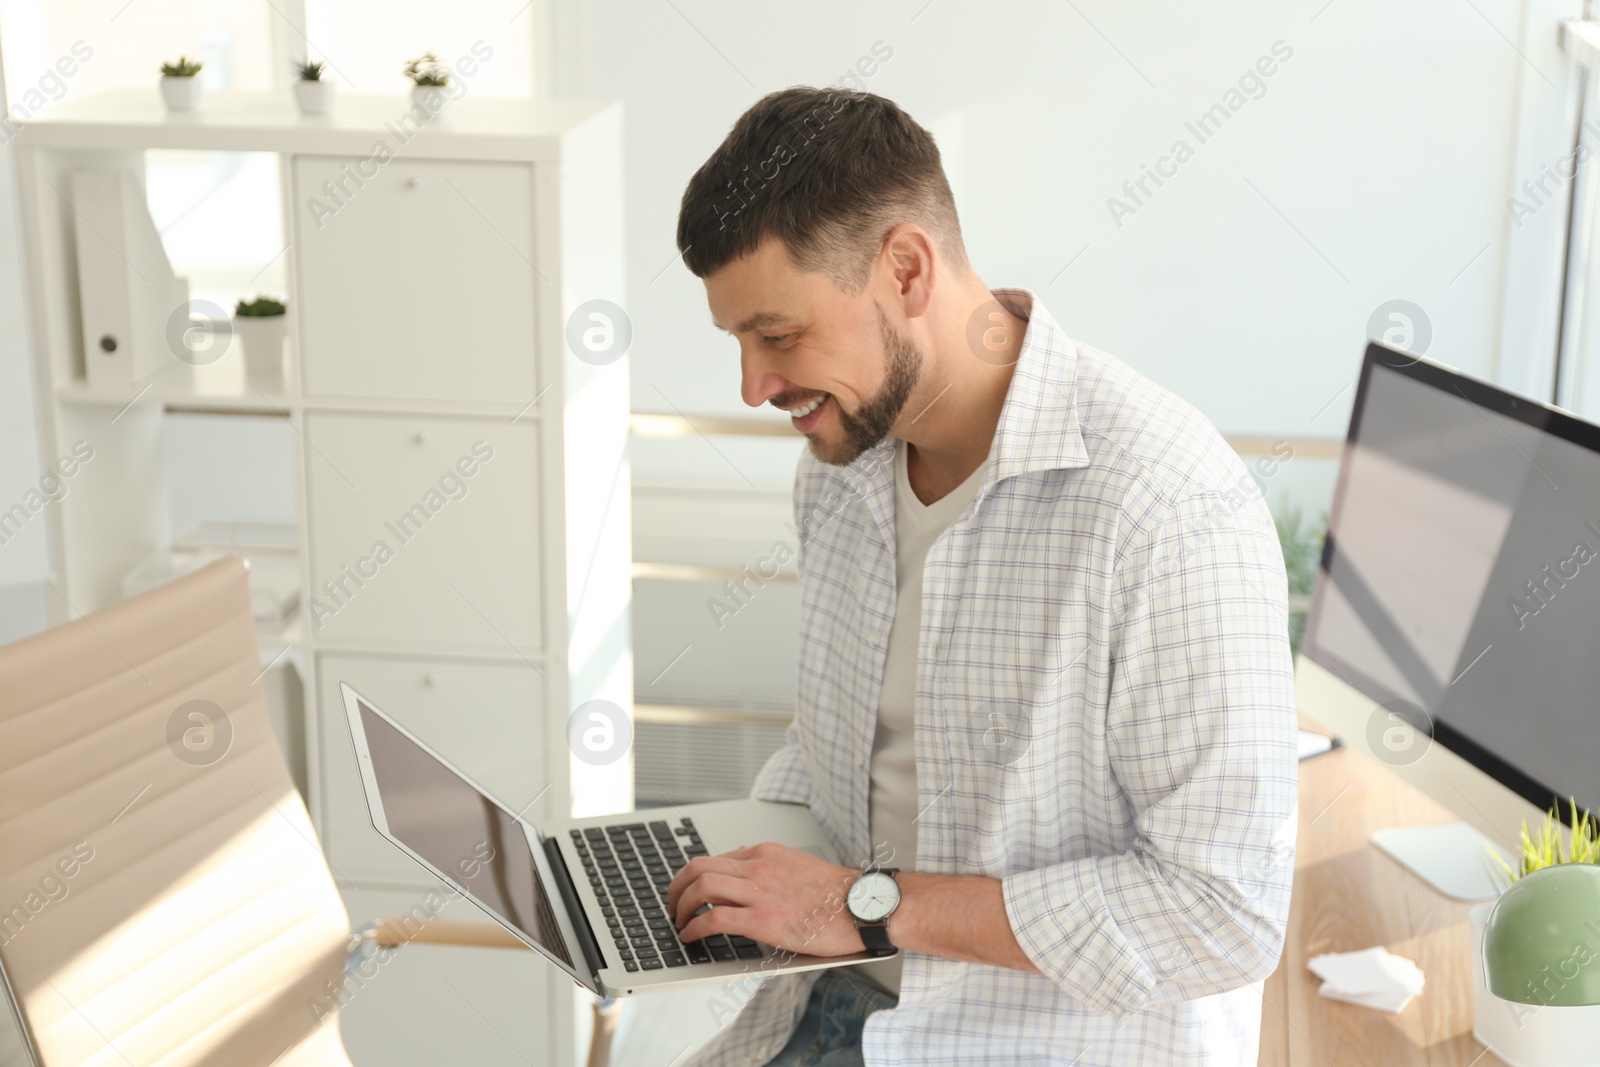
(1044, 667)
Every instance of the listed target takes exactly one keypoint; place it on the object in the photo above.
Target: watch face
(873, 896)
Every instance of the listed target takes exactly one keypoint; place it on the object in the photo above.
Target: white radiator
(685, 763)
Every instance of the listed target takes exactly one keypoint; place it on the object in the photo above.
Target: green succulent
(427, 70)
(183, 68)
(309, 71)
(260, 308)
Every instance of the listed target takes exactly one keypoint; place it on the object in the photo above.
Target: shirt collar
(1038, 429)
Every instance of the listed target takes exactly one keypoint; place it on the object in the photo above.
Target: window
(367, 43)
(124, 48)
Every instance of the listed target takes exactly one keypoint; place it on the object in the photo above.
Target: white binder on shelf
(135, 310)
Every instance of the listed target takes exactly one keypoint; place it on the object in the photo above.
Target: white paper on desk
(1313, 744)
(1373, 978)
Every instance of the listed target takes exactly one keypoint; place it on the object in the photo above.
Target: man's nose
(759, 382)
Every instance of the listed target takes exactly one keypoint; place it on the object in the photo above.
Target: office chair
(163, 897)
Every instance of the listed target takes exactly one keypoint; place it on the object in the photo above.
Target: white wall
(1375, 166)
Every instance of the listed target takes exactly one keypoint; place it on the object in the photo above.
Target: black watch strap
(876, 937)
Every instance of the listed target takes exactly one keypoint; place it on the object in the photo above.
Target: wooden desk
(1348, 895)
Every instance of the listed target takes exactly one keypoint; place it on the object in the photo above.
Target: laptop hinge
(580, 917)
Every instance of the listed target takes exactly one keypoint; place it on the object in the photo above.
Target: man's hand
(794, 901)
(772, 893)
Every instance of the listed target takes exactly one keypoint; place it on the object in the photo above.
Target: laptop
(587, 894)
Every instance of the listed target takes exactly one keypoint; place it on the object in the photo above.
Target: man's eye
(777, 340)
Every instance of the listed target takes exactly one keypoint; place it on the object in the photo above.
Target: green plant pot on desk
(1538, 953)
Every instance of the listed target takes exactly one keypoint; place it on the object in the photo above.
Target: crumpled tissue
(1372, 978)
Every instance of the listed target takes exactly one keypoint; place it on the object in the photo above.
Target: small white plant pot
(1529, 1035)
(181, 94)
(313, 97)
(432, 99)
(261, 336)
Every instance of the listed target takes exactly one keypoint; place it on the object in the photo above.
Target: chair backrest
(163, 897)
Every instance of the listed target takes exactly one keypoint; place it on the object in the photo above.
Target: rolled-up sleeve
(1200, 731)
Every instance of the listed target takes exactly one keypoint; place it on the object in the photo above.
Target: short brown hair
(828, 171)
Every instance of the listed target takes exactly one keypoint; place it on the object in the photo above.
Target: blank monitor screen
(442, 818)
(1461, 575)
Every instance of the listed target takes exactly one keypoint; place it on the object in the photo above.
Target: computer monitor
(1454, 631)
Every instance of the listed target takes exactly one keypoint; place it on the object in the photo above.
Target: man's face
(803, 342)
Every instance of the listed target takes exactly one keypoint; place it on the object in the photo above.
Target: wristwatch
(872, 899)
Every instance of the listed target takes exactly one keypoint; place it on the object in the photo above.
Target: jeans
(829, 1035)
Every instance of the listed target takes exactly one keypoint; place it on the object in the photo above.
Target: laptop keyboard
(630, 867)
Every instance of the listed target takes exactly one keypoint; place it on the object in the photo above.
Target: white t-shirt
(892, 807)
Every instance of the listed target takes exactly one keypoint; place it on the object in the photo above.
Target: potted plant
(311, 92)
(1301, 542)
(179, 86)
(1550, 1032)
(429, 78)
(259, 324)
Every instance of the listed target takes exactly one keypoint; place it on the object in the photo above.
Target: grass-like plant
(308, 71)
(427, 70)
(260, 308)
(183, 68)
(1548, 849)
(1302, 552)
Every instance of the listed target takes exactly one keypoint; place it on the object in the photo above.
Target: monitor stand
(1452, 857)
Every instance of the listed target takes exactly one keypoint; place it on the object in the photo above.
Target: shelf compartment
(448, 316)
(220, 386)
(454, 505)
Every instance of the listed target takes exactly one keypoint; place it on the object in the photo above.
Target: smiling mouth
(807, 408)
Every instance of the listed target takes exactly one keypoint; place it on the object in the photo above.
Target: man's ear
(913, 267)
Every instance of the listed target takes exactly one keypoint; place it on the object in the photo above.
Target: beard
(872, 422)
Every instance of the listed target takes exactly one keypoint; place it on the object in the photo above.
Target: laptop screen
(444, 819)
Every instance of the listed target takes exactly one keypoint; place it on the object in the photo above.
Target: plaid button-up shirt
(1105, 722)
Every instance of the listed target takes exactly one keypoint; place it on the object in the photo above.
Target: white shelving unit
(437, 409)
